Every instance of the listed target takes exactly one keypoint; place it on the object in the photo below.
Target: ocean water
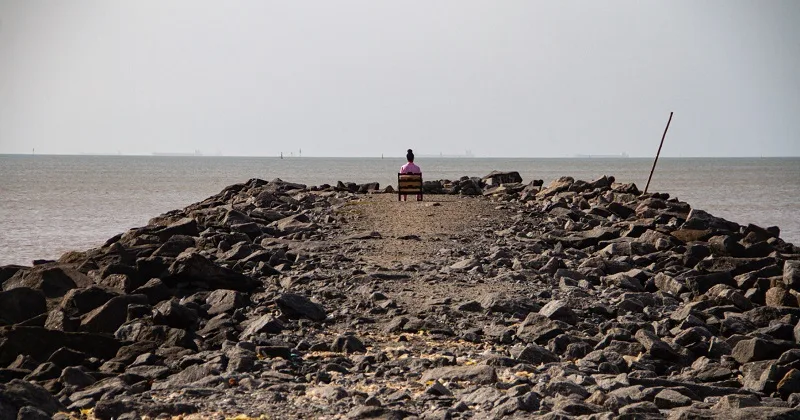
(52, 204)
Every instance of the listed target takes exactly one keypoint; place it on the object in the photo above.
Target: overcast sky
(365, 78)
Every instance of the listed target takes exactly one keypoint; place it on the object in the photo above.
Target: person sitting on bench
(411, 168)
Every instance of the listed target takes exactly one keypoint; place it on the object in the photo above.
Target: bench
(409, 184)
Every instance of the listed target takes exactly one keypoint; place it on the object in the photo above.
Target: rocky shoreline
(493, 299)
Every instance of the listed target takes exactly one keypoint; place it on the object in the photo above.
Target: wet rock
(298, 306)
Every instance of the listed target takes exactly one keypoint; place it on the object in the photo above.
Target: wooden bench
(409, 184)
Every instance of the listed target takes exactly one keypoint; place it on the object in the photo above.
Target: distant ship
(621, 155)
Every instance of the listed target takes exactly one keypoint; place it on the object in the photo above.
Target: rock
(538, 329)
(478, 374)
(186, 377)
(266, 324)
(186, 227)
(726, 245)
(348, 344)
(363, 235)
(779, 296)
(665, 283)
(756, 349)
(199, 271)
(118, 409)
(40, 343)
(535, 354)
(108, 317)
(155, 290)
(734, 402)
(668, 398)
(789, 384)
(701, 220)
(498, 177)
(558, 310)
(175, 315)
(51, 279)
(222, 301)
(21, 304)
(791, 274)
(17, 394)
(78, 302)
(76, 377)
(32, 413)
(298, 306)
(465, 264)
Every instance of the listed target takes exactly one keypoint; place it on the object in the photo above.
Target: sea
(52, 204)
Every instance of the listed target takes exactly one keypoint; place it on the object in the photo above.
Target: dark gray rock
(297, 306)
(479, 374)
(265, 324)
(222, 301)
(791, 274)
(348, 344)
(111, 315)
(559, 310)
(197, 270)
(40, 343)
(21, 304)
(17, 394)
(51, 279)
(534, 354)
(756, 349)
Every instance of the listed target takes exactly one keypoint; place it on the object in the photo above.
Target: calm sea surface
(52, 204)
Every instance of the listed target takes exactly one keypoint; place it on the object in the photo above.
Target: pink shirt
(410, 168)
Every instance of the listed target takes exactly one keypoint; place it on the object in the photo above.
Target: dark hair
(410, 155)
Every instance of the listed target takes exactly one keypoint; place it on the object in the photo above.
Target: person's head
(410, 155)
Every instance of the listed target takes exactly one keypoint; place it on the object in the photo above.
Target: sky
(505, 78)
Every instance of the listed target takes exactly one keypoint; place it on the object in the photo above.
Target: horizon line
(589, 157)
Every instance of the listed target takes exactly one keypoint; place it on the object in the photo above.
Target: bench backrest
(409, 183)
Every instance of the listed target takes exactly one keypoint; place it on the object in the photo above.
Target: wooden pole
(658, 153)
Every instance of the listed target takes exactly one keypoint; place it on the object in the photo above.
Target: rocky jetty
(497, 299)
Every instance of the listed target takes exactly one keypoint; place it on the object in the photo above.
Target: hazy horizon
(361, 79)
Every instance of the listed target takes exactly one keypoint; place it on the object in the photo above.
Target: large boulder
(53, 280)
(499, 177)
(198, 271)
(108, 317)
(40, 343)
(20, 304)
(18, 394)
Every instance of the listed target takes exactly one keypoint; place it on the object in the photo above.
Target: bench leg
(419, 197)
